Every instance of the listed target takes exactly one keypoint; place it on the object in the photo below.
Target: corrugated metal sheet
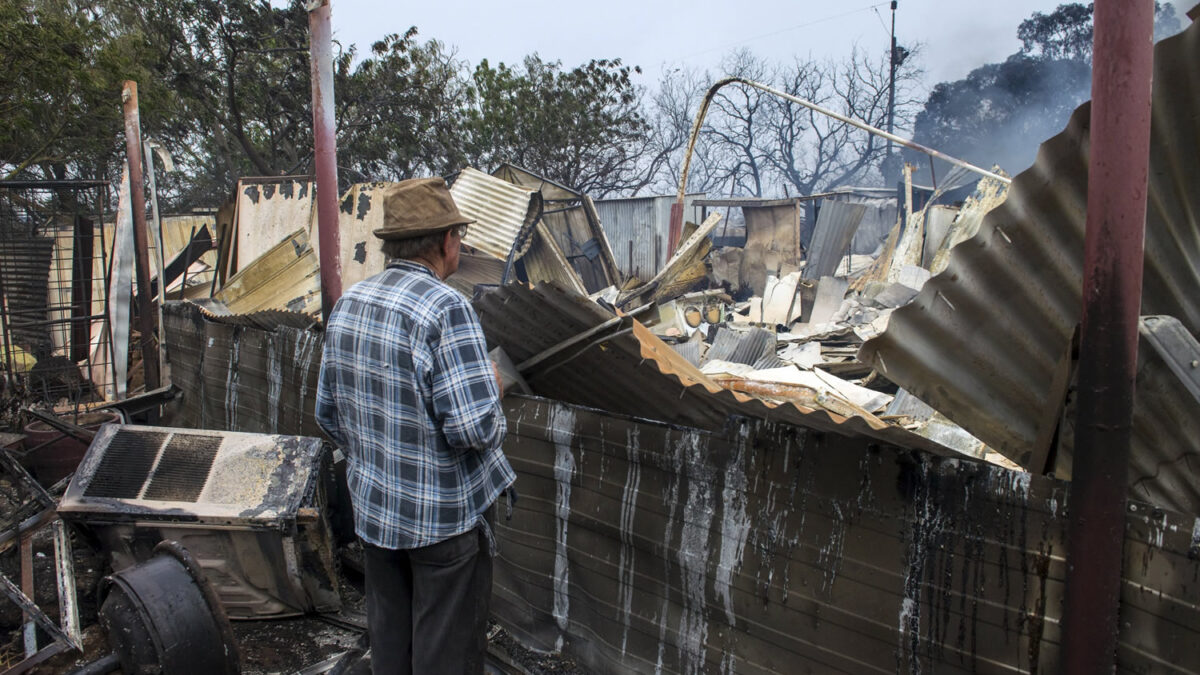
(269, 209)
(982, 341)
(636, 373)
(1164, 468)
(255, 373)
(689, 350)
(474, 270)
(683, 271)
(640, 547)
(877, 220)
(551, 191)
(835, 228)
(938, 222)
(25, 275)
(741, 346)
(502, 211)
(287, 277)
(546, 262)
(638, 229)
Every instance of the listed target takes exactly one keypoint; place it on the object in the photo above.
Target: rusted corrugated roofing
(635, 373)
(982, 341)
(502, 211)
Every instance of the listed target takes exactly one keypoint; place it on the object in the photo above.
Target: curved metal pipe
(677, 208)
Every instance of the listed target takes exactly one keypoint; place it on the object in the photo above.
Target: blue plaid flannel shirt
(407, 391)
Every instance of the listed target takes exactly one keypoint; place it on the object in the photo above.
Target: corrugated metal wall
(637, 229)
(639, 547)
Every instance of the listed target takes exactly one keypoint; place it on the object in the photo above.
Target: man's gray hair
(418, 247)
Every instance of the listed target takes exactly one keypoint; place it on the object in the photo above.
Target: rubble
(715, 443)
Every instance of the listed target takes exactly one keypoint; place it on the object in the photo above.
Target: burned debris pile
(833, 429)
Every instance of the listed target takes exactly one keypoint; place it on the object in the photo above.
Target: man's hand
(499, 378)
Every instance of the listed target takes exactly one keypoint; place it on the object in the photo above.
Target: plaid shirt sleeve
(326, 407)
(466, 398)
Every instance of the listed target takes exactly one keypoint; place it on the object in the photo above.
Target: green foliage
(1000, 112)
(61, 72)
(401, 111)
(581, 127)
(225, 87)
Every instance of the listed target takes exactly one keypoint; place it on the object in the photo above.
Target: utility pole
(892, 83)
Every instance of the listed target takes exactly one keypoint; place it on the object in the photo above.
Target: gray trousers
(427, 608)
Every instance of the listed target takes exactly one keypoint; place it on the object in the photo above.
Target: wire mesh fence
(54, 270)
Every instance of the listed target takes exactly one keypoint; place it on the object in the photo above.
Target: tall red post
(141, 241)
(1112, 291)
(320, 35)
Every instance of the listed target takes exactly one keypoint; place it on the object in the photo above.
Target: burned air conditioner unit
(250, 508)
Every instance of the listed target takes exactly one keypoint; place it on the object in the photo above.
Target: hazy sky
(956, 35)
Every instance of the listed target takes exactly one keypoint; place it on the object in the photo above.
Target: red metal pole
(320, 32)
(137, 199)
(1112, 291)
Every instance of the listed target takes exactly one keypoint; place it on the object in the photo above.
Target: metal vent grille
(126, 464)
(184, 468)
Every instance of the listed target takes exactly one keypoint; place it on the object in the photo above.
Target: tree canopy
(1000, 112)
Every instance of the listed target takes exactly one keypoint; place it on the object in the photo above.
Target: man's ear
(448, 243)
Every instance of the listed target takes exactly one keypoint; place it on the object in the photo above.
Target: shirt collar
(410, 266)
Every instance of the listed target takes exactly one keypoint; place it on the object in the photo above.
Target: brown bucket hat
(417, 207)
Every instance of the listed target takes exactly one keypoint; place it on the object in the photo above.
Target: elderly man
(407, 391)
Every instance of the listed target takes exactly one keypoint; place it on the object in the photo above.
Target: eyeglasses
(461, 231)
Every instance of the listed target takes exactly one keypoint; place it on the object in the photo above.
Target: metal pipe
(1112, 291)
(159, 246)
(712, 91)
(137, 200)
(892, 82)
(320, 35)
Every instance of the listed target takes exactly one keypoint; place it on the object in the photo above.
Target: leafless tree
(755, 144)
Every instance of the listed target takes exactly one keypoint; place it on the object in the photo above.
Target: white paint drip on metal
(908, 608)
(274, 383)
(633, 479)
(671, 502)
(302, 358)
(693, 554)
(829, 557)
(735, 525)
(562, 429)
(231, 385)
